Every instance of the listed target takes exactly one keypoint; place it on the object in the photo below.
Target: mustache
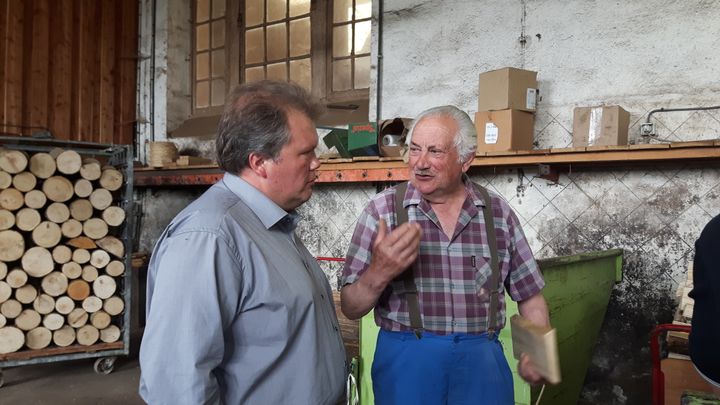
(423, 172)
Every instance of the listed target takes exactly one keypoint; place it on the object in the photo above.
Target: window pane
(218, 8)
(218, 63)
(254, 74)
(218, 33)
(254, 12)
(299, 7)
(276, 42)
(202, 66)
(202, 11)
(342, 37)
(362, 37)
(300, 37)
(218, 92)
(202, 94)
(363, 9)
(362, 72)
(276, 10)
(301, 72)
(202, 37)
(254, 46)
(277, 71)
(341, 75)
(342, 10)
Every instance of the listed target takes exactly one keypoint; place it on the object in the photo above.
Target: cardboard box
(362, 139)
(504, 130)
(602, 125)
(391, 137)
(508, 88)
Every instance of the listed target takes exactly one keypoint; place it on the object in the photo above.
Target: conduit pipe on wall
(378, 94)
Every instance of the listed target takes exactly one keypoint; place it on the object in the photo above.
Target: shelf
(365, 170)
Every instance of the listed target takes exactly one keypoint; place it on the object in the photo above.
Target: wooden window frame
(320, 56)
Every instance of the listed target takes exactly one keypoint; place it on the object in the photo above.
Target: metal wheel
(104, 365)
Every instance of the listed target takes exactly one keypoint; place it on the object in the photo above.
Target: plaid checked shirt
(452, 276)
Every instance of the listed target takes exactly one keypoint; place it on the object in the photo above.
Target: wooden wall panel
(61, 78)
(35, 105)
(13, 60)
(69, 66)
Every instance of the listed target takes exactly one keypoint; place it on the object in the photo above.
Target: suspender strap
(495, 276)
(408, 278)
(411, 292)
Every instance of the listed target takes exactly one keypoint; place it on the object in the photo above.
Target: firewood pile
(61, 263)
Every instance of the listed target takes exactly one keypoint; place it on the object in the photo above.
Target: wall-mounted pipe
(378, 94)
(658, 110)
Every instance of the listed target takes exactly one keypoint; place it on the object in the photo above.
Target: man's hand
(394, 252)
(527, 371)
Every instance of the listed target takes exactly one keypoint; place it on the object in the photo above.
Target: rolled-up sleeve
(525, 278)
(194, 288)
(360, 250)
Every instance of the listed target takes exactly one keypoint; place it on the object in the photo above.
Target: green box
(362, 139)
(338, 138)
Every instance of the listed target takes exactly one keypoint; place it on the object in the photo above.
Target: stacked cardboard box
(507, 100)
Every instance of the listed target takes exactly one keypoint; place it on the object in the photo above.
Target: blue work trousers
(440, 369)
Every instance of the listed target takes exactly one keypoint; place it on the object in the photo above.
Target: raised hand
(394, 252)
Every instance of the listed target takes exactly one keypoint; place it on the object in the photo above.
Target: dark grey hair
(465, 140)
(255, 120)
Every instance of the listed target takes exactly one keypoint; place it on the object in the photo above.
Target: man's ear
(468, 161)
(256, 163)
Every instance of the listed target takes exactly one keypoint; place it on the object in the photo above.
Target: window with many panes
(323, 45)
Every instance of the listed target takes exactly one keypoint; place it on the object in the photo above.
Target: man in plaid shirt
(455, 356)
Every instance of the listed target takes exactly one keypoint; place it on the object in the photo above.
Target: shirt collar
(269, 213)
(413, 196)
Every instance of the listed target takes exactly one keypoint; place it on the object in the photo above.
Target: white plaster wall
(179, 40)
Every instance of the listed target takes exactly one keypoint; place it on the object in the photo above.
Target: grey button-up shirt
(239, 311)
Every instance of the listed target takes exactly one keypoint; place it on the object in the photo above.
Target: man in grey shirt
(238, 310)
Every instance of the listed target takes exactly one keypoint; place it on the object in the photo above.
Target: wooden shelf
(365, 170)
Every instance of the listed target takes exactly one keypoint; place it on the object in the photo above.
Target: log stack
(61, 260)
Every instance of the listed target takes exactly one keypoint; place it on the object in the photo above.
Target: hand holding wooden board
(540, 343)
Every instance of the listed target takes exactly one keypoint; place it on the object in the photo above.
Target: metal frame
(658, 377)
(121, 157)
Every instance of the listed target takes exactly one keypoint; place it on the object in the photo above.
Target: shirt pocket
(477, 259)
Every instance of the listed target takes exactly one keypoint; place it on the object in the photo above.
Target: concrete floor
(71, 382)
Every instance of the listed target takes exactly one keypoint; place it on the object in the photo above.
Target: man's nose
(423, 162)
(314, 163)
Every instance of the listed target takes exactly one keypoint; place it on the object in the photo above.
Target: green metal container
(577, 291)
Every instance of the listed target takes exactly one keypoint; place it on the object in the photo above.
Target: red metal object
(330, 259)
(658, 378)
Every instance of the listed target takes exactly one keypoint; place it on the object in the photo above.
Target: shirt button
(322, 296)
(336, 328)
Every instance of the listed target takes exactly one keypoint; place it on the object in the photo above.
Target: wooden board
(680, 375)
(540, 343)
(349, 329)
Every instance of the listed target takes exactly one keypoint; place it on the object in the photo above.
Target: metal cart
(121, 158)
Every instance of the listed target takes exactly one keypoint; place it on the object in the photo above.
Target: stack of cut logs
(60, 265)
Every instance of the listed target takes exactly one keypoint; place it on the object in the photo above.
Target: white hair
(464, 140)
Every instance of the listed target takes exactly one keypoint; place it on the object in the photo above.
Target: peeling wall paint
(642, 55)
